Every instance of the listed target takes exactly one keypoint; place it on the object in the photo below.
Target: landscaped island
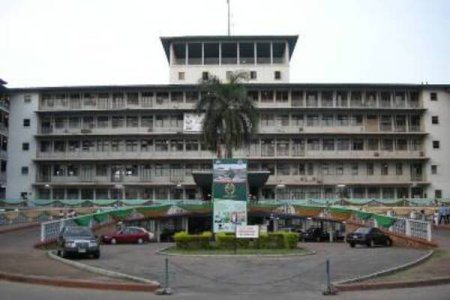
(274, 243)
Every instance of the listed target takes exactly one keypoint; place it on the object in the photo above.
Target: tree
(230, 117)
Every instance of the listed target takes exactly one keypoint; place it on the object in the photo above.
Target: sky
(112, 42)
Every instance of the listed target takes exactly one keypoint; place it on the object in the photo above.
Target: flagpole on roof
(228, 3)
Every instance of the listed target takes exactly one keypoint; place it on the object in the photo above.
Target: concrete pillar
(407, 227)
(158, 230)
(185, 223)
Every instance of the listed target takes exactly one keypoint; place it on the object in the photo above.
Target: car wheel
(63, 254)
(352, 245)
(58, 252)
(113, 241)
(388, 242)
(371, 243)
(97, 255)
(318, 239)
(140, 241)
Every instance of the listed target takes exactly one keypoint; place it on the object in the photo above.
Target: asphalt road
(19, 291)
(252, 275)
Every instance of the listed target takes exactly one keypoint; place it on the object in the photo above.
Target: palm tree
(230, 116)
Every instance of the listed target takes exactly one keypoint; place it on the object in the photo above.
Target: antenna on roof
(228, 3)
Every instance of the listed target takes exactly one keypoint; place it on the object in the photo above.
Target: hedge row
(273, 240)
(184, 240)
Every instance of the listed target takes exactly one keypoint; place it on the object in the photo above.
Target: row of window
(117, 171)
(383, 122)
(297, 97)
(266, 146)
(164, 193)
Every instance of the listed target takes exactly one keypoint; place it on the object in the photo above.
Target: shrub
(225, 241)
(185, 240)
(291, 240)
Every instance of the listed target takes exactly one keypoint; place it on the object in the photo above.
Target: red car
(129, 235)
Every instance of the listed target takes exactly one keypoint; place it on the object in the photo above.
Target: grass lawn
(284, 252)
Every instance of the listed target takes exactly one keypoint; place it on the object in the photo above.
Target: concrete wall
(439, 132)
(193, 73)
(18, 158)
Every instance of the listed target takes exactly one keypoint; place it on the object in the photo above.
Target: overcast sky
(108, 42)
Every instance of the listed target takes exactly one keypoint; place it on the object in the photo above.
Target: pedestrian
(447, 213)
(442, 214)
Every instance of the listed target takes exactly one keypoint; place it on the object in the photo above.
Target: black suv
(73, 240)
(369, 237)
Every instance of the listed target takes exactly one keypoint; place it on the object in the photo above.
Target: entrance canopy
(256, 179)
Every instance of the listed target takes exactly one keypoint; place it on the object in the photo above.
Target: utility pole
(228, 3)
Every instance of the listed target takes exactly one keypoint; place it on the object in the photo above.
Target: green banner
(230, 179)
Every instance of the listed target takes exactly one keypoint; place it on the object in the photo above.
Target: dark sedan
(369, 237)
(74, 240)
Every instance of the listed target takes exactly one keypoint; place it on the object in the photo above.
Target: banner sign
(193, 122)
(247, 231)
(229, 194)
(228, 214)
(230, 179)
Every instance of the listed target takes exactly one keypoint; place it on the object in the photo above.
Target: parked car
(74, 240)
(369, 236)
(131, 234)
(316, 234)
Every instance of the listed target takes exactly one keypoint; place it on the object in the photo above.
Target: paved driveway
(252, 275)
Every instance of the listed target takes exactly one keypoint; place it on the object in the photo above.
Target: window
(433, 97)
(24, 171)
(253, 75)
(74, 122)
(131, 145)
(384, 169)
(355, 169)
(370, 168)
(358, 145)
(27, 98)
(132, 121)
(101, 170)
(25, 146)
(328, 144)
(438, 194)
(180, 75)
(103, 122)
(435, 120)
(398, 169)
(277, 75)
(436, 145)
(26, 122)
(434, 169)
(205, 75)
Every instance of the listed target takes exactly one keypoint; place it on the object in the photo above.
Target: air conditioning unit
(159, 100)
(376, 154)
(422, 153)
(66, 130)
(319, 181)
(300, 129)
(86, 131)
(313, 179)
(302, 178)
(150, 129)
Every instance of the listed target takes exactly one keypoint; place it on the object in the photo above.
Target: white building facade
(373, 141)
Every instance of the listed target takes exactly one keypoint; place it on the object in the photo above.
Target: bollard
(167, 273)
(166, 290)
(329, 290)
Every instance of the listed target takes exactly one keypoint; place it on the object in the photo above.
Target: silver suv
(74, 240)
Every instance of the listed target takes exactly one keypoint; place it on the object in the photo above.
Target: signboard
(193, 122)
(230, 179)
(229, 194)
(247, 231)
(228, 214)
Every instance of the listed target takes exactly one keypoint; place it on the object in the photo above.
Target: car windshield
(363, 230)
(79, 231)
